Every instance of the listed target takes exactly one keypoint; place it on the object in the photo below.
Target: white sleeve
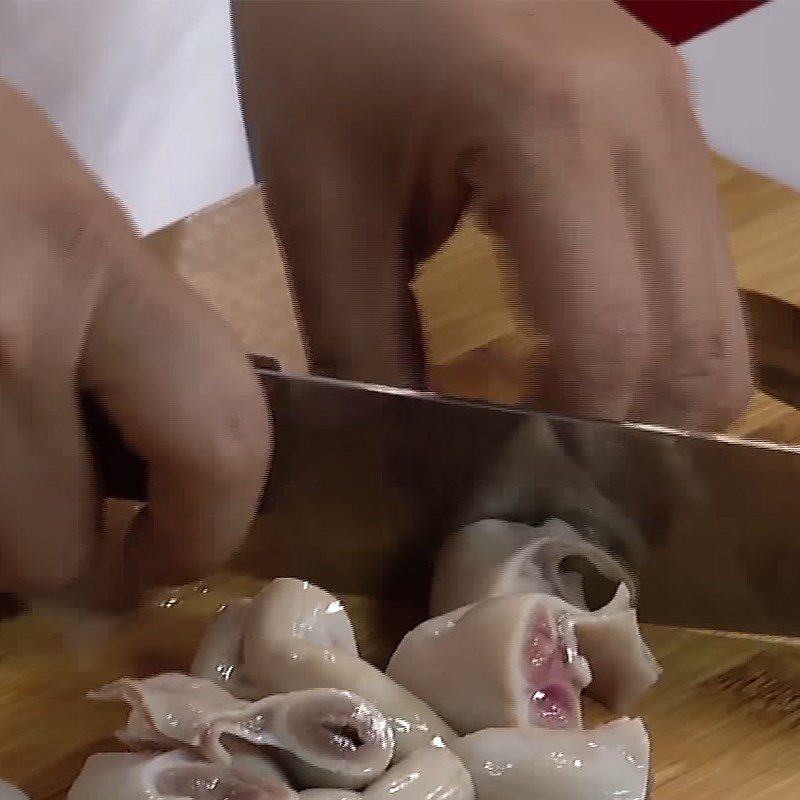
(746, 80)
(145, 92)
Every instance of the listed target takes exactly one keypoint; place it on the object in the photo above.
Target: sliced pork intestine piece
(285, 608)
(290, 608)
(504, 662)
(327, 737)
(291, 665)
(219, 656)
(493, 557)
(433, 773)
(534, 764)
(170, 709)
(623, 668)
(249, 759)
(324, 737)
(10, 792)
(175, 775)
(140, 733)
(628, 736)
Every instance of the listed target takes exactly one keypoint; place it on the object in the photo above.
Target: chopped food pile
(482, 701)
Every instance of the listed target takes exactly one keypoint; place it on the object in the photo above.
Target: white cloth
(143, 89)
(746, 75)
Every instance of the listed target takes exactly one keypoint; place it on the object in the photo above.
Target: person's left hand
(568, 124)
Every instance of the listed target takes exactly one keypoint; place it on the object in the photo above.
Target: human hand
(567, 124)
(85, 307)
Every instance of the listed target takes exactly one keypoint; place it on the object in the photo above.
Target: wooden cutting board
(725, 717)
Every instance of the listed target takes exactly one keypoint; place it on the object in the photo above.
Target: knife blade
(367, 480)
(774, 328)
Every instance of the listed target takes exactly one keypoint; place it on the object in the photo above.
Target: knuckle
(224, 455)
(671, 80)
(736, 393)
(553, 88)
(609, 357)
(86, 225)
(87, 232)
(707, 379)
(233, 447)
(50, 266)
(562, 91)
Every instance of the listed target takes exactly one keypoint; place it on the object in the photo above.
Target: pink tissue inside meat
(553, 697)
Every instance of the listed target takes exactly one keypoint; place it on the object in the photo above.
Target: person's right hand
(84, 306)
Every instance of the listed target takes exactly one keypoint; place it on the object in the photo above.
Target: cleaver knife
(367, 481)
(775, 332)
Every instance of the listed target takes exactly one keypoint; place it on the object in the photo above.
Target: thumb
(348, 272)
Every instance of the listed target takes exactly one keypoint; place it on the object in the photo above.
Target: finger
(347, 272)
(47, 520)
(356, 198)
(47, 510)
(700, 373)
(185, 398)
(555, 204)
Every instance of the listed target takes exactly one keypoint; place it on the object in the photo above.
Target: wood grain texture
(725, 717)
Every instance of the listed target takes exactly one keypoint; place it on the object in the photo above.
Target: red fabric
(679, 20)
